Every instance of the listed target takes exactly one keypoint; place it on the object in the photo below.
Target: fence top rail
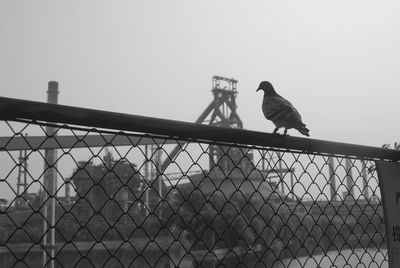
(16, 109)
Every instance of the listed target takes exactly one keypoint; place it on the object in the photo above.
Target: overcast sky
(337, 61)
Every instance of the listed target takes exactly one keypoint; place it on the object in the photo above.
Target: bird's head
(267, 88)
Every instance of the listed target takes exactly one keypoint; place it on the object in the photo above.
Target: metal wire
(214, 203)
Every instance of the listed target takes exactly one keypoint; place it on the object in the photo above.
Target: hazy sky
(337, 61)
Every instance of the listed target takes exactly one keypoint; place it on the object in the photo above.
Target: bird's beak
(258, 89)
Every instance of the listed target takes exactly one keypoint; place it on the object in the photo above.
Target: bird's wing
(279, 109)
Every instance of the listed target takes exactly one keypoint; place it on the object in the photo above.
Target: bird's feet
(285, 132)
(275, 132)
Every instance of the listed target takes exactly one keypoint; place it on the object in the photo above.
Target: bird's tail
(303, 130)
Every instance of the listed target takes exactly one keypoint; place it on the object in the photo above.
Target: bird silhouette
(280, 111)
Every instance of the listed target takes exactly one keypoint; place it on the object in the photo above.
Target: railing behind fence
(86, 188)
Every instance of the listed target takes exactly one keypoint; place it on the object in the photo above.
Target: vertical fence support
(147, 179)
(365, 180)
(332, 178)
(349, 180)
(280, 172)
(50, 186)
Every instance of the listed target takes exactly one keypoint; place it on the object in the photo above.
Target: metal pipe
(11, 109)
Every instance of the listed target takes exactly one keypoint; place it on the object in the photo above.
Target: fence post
(332, 178)
(349, 180)
(365, 180)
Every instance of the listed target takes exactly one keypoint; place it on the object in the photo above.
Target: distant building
(232, 172)
(3, 204)
(235, 182)
(111, 189)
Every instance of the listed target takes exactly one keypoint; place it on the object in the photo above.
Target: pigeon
(280, 111)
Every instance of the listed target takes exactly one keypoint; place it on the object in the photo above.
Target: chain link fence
(78, 196)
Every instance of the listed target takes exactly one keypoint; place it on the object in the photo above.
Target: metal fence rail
(87, 188)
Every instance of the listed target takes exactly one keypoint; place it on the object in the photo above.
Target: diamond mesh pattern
(213, 204)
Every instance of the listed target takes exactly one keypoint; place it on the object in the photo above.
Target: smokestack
(50, 185)
(50, 178)
(52, 92)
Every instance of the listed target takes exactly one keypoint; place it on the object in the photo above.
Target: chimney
(52, 92)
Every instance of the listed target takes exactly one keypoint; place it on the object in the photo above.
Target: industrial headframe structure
(222, 112)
